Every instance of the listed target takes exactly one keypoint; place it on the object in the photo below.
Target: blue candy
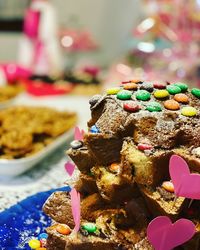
(94, 129)
(42, 236)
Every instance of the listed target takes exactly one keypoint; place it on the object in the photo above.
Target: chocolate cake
(124, 163)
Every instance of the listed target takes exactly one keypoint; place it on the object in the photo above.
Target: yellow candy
(113, 91)
(188, 111)
(34, 244)
(161, 93)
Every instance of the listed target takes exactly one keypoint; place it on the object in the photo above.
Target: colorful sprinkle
(94, 129)
(89, 227)
(63, 229)
(143, 95)
(144, 146)
(159, 85)
(173, 89)
(188, 111)
(172, 105)
(168, 186)
(182, 86)
(76, 144)
(34, 243)
(196, 92)
(124, 95)
(131, 106)
(148, 86)
(154, 107)
(183, 98)
(130, 86)
(114, 167)
(160, 94)
(42, 236)
(113, 91)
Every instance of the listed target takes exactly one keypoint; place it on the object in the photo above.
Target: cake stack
(124, 163)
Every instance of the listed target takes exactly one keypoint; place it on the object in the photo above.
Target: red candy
(159, 85)
(131, 106)
(143, 146)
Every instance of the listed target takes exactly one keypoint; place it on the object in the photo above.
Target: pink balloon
(164, 235)
(185, 184)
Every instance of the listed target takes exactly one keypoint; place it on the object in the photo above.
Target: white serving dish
(18, 166)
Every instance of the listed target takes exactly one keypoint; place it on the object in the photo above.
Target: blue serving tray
(24, 220)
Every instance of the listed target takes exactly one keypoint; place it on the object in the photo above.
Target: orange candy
(114, 167)
(168, 186)
(41, 248)
(131, 85)
(63, 229)
(183, 98)
(171, 105)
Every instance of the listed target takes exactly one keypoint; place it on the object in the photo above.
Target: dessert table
(50, 172)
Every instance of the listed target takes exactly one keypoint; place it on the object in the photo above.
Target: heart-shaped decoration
(78, 134)
(69, 167)
(185, 184)
(164, 235)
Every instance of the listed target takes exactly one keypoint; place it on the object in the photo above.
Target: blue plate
(24, 220)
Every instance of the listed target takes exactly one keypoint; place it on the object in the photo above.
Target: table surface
(50, 172)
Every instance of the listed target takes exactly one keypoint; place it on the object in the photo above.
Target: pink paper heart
(69, 167)
(76, 208)
(164, 235)
(78, 134)
(185, 184)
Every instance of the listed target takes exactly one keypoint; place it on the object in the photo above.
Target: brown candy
(171, 105)
(130, 86)
(183, 98)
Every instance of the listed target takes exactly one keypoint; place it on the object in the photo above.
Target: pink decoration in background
(69, 167)
(15, 72)
(185, 184)
(31, 23)
(78, 134)
(164, 235)
(76, 208)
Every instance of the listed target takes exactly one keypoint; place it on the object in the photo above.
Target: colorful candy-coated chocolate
(124, 95)
(182, 86)
(41, 248)
(89, 227)
(159, 85)
(143, 95)
(144, 146)
(42, 236)
(34, 243)
(168, 186)
(113, 91)
(63, 229)
(161, 93)
(173, 89)
(136, 81)
(188, 111)
(130, 86)
(131, 106)
(182, 98)
(172, 105)
(94, 129)
(196, 92)
(154, 107)
(76, 144)
(114, 167)
(148, 86)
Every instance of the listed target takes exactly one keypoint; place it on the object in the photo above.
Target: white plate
(18, 166)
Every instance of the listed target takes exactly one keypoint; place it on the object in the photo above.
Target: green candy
(196, 92)
(124, 95)
(172, 89)
(154, 107)
(182, 86)
(143, 95)
(89, 227)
